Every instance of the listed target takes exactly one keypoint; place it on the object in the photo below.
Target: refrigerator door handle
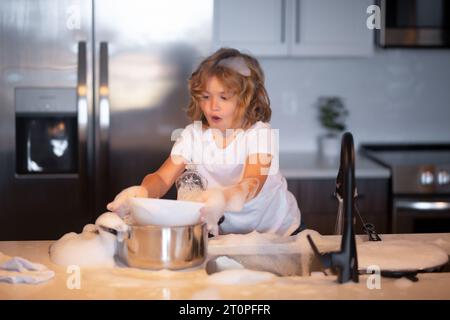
(82, 107)
(102, 132)
(104, 94)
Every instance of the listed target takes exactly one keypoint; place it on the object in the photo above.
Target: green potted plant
(332, 117)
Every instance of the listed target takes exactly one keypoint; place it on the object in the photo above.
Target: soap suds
(240, 277)
(222, 263)
(397, 255)
(84, 250)
(94, 247)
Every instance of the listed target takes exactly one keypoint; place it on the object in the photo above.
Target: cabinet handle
(283, 20)
(297, 21)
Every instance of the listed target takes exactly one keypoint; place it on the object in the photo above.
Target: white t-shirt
(274, 209)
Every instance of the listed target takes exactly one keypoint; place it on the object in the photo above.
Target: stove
(420, 185)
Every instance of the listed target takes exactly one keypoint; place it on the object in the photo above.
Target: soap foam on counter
(240, 277)
(397, 255)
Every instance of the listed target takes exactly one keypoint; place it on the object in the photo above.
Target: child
(231, 145)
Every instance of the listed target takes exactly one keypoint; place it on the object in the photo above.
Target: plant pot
(329, 145)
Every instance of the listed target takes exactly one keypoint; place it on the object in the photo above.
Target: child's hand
(217, 201)
(214, 208)
(120, 204)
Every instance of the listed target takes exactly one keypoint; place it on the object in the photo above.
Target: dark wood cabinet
(319, 207)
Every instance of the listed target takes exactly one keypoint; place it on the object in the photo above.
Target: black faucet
(345, 261)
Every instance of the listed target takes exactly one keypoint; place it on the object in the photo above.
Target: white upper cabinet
(331, 28)
(294, 27)
(258, 26)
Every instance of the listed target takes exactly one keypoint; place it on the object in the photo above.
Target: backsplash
(394, 95)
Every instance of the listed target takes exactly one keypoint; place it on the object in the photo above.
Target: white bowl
(163, 212)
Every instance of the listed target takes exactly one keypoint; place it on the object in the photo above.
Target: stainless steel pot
(156, 247)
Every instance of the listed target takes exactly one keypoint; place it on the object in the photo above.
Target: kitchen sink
(279, 264)
(263, 252)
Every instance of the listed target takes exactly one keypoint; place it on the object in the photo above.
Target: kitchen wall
(393, 96)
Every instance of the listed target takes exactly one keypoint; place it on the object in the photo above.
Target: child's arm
(154, 185)
(159, 182)
(253, 179)
(234, 197)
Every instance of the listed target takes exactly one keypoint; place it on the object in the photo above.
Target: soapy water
(398, 255)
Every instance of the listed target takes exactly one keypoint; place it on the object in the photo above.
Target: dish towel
(20, 270)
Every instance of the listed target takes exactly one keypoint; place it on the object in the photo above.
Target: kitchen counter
(129, 283)
(312, 165)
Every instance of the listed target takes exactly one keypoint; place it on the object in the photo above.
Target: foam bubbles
(94, 247)
(241, 277)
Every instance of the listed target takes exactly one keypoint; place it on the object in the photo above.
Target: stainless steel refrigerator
(90, 93)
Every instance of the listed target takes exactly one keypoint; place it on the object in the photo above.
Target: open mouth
(215, 118)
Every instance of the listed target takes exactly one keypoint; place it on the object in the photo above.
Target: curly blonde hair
(253, 100)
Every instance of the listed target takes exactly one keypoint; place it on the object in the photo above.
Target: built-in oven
(420, 185)
(420, 215)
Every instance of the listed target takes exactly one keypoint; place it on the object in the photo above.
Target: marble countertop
(312, 165)
(129, 283)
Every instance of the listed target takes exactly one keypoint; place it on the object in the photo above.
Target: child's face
(218, 105)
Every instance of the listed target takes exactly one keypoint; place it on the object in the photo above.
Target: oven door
(413, 215)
